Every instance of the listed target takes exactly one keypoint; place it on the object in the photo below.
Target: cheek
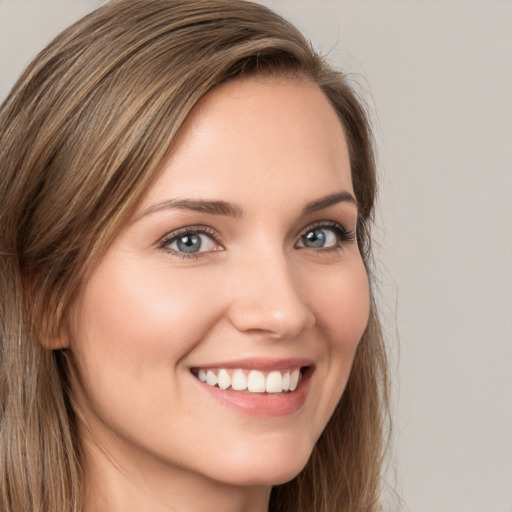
(144, 311)
(342, 307)
(136, 324)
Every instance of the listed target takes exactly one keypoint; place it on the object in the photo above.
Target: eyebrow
(330, 200)
(197, 205)
(236, 211)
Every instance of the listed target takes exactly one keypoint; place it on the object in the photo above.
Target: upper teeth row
(253, 381)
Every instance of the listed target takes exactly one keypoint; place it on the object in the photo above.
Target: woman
(186, 319)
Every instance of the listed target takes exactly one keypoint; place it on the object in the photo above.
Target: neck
(130, 484)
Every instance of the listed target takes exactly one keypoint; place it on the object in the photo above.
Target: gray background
(440, 76)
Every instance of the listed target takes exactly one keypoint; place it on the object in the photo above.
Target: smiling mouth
(251, 381)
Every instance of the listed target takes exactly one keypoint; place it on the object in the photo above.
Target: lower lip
(261, 404)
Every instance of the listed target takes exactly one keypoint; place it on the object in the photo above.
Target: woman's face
(239, 266)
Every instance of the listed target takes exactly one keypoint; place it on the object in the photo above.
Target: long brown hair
(82, 134)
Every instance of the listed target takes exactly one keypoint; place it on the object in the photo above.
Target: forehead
(262, 133)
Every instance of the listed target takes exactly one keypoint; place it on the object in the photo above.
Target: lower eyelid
(173, 237)
(343, 235)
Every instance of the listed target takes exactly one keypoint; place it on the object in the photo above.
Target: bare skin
(241, 256)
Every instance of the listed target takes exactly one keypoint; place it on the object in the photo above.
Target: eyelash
(343, 235)
(189, 230)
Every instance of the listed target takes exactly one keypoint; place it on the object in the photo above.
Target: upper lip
(263, 364)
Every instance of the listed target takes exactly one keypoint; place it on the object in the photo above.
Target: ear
(55, 340)
(55, 335)
(47, 315)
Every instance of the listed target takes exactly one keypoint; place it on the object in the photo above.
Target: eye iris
(189, 243)
(315, 238)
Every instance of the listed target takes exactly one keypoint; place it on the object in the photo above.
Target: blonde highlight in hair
(82, 135)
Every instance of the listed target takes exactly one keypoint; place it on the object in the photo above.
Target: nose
(267, 300)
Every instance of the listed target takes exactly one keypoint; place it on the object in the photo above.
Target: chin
(266, 467)
(276, 473)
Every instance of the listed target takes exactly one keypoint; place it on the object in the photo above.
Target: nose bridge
(269, 299)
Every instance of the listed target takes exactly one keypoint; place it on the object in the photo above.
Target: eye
(326, 236)
(190, 242)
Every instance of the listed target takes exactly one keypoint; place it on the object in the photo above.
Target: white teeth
(256, 382)
(239, 381)
(211, 378)
(274, 383)
(286, 381)
(253, 381)
(224, 380)
(294, 379)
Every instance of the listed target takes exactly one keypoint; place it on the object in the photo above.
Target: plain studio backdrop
(438, 79)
